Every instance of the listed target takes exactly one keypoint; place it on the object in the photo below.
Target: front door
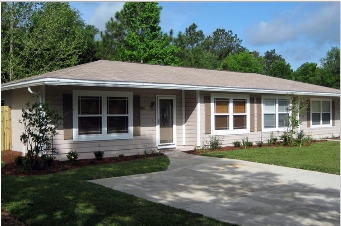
(166, 121)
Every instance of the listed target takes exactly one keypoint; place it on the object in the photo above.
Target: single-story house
(124, 108)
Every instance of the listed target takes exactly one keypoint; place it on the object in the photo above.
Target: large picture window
(230, 114)
(102, 115)
(320, 112)
(275, 114)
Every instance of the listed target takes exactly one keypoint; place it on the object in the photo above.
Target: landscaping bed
(232, 148)
(11, 168)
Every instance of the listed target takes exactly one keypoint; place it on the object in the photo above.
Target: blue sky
(299, 31)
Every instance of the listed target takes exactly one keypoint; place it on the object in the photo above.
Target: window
(102, 115)
(320, 112)
(275, 114)
(230, 114)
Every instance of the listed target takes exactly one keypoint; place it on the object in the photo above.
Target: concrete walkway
(237, 191)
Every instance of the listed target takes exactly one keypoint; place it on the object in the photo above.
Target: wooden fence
(6, 131)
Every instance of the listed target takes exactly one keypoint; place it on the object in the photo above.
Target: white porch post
(183, 118)
(198, 117)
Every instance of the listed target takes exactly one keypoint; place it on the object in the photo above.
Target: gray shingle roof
(114, 71)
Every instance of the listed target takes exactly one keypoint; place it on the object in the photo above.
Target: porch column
(183, 118)
(198, 117)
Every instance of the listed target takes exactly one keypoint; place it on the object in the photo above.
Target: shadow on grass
(67, 199)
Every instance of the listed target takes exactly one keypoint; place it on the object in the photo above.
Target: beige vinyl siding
(16, 100)
(191, 118)
(323, 132)
(317, 133)
(125, 146)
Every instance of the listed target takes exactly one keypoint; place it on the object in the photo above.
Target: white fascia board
(74, 82)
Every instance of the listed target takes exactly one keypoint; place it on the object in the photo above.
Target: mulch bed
(232, 148)
(12, 168)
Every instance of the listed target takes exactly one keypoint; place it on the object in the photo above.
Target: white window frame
(104, 135)
(276, 113)
(231, 97)
(330, 111)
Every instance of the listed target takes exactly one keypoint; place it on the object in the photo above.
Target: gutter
(73, 82)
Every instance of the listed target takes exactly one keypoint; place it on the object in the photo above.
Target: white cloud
(320, 25)
(103, 12)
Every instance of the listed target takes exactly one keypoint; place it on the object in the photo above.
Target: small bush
(46, 160)
(236, 144)
(72, 155)
(215, 142)
(259, 143)
(99, 154)
(246, 143)
(121, 155)
(19, 160)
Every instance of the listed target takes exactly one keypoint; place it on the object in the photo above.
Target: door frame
(158, 98)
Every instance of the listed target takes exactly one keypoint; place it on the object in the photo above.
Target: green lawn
(67, 199)
(322, 156)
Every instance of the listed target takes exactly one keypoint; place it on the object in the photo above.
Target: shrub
(236, 144)
(246, 143)
(72, 155)
(40, 126)
(19, 160)
(215, 142)
(259, 143)
(272, 139)
(288, 138)
(99, 154)
(46, 160)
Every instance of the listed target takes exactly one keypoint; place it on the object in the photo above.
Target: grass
(3, 164)
(68, 199)
(323, 156)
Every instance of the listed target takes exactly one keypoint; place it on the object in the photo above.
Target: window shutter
(308, 114)
(333, 113)
(136, 116)
(252, 114)
(67, 116)
(207, 102)
(259, 113)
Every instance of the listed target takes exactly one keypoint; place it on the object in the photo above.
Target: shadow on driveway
(238, 191)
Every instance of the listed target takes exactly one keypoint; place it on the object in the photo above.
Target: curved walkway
(238, 191)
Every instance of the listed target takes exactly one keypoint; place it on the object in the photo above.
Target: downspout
(198, 118)
(183, 117)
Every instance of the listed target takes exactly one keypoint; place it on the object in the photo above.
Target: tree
(15, 25)
(331, 68)
(58, 38)
(271, 57)
(222, 43)
(135, 35)
(40, 126)
(192, 53)
(243, 62)
(280, 69)
(293, 134)
(42, 37)
(308, 73)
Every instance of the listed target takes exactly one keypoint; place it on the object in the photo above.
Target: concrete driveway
(237, 191)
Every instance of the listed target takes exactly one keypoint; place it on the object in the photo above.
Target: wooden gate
(6, 132)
